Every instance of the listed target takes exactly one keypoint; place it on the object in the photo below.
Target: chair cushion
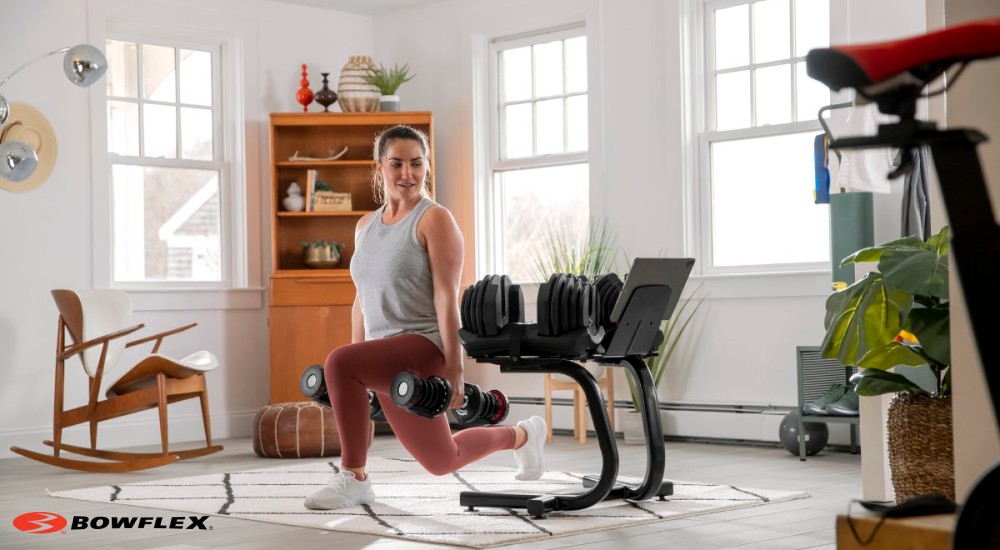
(295, 430)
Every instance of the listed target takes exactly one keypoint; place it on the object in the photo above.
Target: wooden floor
(832, 478)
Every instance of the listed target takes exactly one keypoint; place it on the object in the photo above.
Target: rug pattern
(415, 505)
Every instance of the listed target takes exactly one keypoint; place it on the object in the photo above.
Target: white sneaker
(343, 491)
(530, 460)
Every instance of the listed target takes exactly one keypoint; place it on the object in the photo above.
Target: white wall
(45, 235)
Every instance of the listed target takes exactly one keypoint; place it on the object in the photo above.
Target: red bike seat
(876, 68)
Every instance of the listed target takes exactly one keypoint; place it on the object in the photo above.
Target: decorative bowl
(321, 255)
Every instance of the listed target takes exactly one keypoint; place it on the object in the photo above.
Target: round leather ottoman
(296, 430)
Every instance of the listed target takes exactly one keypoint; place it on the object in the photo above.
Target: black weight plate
(475, 309)
(555, 305)
(544, 296)
(463, 309)
(492, 307)
(515, 304)
(480, 313)
(473, 320)
(567, 290)
(311, 384)
(505, 300)
(573, 316)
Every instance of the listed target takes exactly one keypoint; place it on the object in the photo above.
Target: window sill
(786, 284)
(182, 299)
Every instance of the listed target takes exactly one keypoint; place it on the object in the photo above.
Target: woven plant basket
(354, 93)
(921, 449)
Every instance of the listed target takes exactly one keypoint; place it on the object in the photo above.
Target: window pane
(516, 70)
(123, 128)
(812, 25)
(576, 64)
(732, 37)
(518, 130)
(812, 94)
(196, 77)
(548, 69)
(549, 131)
(732, 100)
(576, 124)
(196, 133)
(771, 32)
(165, 224)
(535, 201)
(159, 131)
(762, 203)
(123, 74)
(774, 95)
(158, 73)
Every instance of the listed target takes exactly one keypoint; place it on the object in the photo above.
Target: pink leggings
(353, 369)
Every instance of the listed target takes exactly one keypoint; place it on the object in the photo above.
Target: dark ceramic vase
(325, 96)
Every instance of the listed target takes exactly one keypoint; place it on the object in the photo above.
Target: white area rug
(415, 505)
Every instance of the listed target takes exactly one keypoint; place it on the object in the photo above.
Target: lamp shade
(17, 161)
(84, 65)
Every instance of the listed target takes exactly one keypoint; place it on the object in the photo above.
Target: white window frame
(492, 248)
(235, 39)
(700, 135)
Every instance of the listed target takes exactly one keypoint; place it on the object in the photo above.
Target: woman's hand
(454, 376)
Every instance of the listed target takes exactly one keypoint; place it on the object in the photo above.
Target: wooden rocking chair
(96, 321)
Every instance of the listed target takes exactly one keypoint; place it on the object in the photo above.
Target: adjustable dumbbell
(314, 388)
(429, 398)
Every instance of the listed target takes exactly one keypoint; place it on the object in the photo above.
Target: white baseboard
(725, 425)
(119, 433)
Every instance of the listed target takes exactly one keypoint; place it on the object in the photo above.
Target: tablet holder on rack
(893, 74)
(650, 293)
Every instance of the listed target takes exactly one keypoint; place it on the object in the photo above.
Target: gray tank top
(392, 273)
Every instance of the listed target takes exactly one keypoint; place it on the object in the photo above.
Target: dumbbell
(314, 388)
(429, 397)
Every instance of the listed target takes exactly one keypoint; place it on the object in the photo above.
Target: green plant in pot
(388, 82)
(898, 316)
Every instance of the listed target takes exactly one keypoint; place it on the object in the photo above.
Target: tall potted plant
(898, 316)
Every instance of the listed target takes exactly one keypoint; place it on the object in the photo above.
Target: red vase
(304, 95)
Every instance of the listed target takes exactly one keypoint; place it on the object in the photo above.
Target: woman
(407, 266)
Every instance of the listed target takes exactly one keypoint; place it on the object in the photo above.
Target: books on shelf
(320, 196)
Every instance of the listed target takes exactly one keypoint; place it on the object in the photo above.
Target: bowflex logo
(39, 522)
(47, 522)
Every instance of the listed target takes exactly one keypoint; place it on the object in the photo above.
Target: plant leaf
(878, 382)
(891, 355)
(862, 317)
(921, 272)
(931, 327)
(873, 253)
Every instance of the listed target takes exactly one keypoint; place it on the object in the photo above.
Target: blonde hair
(382, 143)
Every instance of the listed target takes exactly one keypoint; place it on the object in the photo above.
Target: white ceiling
(367, 7)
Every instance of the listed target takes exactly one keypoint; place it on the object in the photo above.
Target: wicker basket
(921, 448)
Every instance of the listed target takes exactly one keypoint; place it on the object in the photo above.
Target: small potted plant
(898, 316)
(388, 82)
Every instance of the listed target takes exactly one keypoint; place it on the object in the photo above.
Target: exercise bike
(893, 75)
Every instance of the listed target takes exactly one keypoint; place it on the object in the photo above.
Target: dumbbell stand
(605, 485)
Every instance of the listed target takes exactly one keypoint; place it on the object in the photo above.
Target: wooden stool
(297, 430)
